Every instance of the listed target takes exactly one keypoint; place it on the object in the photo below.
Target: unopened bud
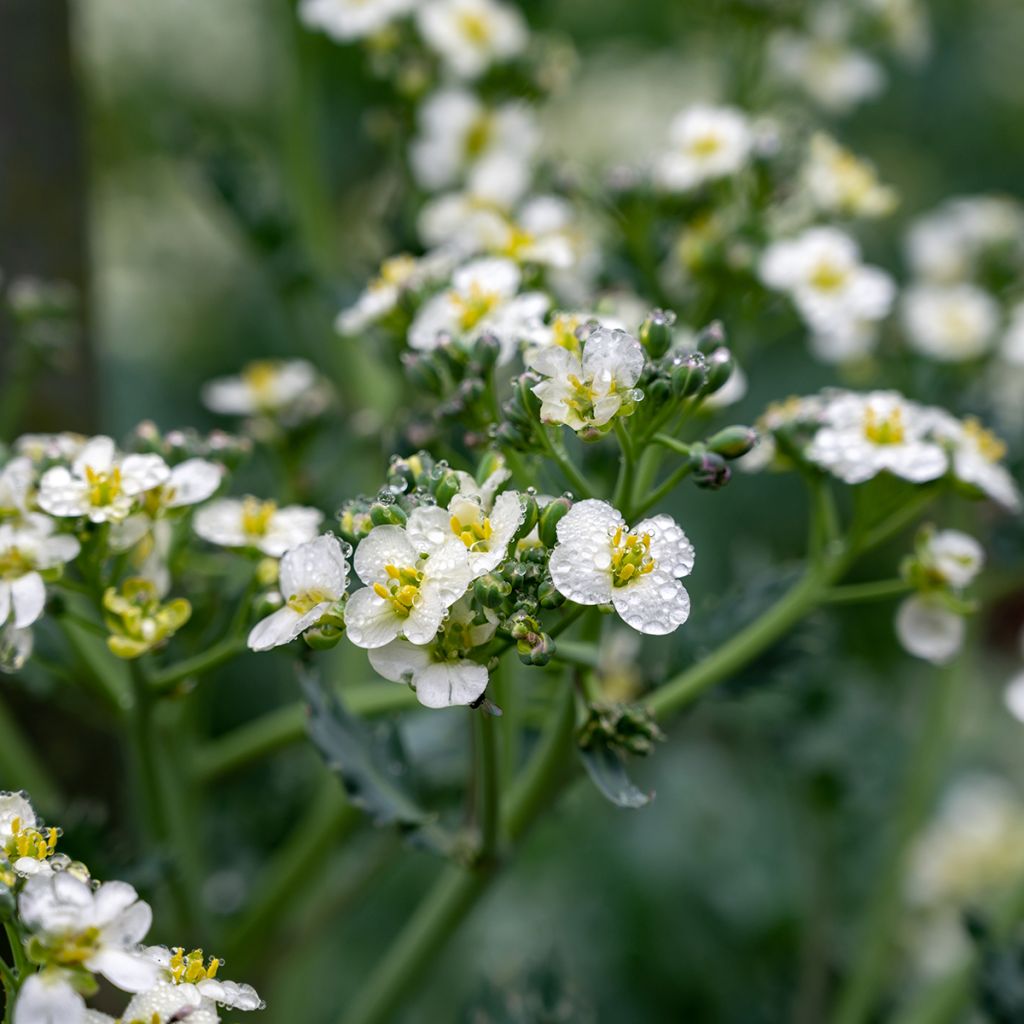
(423, 372)
(548, 596)
(733, 442)
(387, 514)
(491, 590)
(711, 337)
(491, 462)
(445, 487)
(720, 364)
(531, 513)
(550, 516)
(688, 375)
(710, 471)
(486, 352)
(536, 649)
(323, 636)
(656, 332)
(659, 390)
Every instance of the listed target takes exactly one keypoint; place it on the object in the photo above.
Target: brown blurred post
(43, 192)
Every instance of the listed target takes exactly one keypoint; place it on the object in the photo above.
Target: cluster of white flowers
(74, 928)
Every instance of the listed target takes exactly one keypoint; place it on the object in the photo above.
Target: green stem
(876, 590)
(167, 678)
(488, 778)
(672, 444)
(860, 993)
(22, 768)
(670, 483)
(577, 481)
(627, 469)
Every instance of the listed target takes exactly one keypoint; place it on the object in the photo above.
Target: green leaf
(371, 764)
(607, 771)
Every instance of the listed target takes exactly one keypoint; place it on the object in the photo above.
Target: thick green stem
(860, 994)
(876, 590)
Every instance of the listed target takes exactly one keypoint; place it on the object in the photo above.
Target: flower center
(888, 429)
(78, 947)
(563, 332)
(104, 488)
(827, 276)
(631, 556)
(191, 968)
(473, 305)
(989, 446)
(478, 138)
(402, 589)
(14, 563)
(396, 271)
(583, 395)
(706, 145)
(475, 27)
(259, 378)
(256, 516)
(31, 842)
(473, 533)
(306, 602)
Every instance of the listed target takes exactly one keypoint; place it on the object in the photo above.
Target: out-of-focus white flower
(950, 323)
(839, 297)
(832, 73)
(290, 390)
(977, 457)
(26, 549)
(413, 575)
(840, 182)
(705, 143)
(481, 300)
(1012, 348)
(951, 558)
(16, 480)
(99, 929)
(864, 435)
(15, 648)
(100, 484)
(251, 523)
(928, 629)
(345, 20)
(49, 998)
(63, 447)
(599, 560)
(471, 35)
(732, 391)
(588, 390)
(313, 577)
(791, 412)
(906, 24)
(441, 672)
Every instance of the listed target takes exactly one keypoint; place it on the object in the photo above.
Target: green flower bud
(659, 391)
(445, 486)
(711, 337)
(720, 365)
(688, 374)
(732, 442)
(531, 514)
(548, 596)
(537, 650)
(491, 462)
(491, 590)
(323, 636)
(423, 372)
(486, 352)
(550, 516)
(387, 514)
(710, 471)
(656, 332)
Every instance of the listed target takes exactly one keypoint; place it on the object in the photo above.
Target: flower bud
(267, 572)
(711, 337)
(656, 332)
(324, 636)
(390, 514)
(491, 462)
(524, 391)
(445, 487)
(720, 364)
(688, 375)
(530, 515)
(422, 372)
(658, 391)
(537, 649)
(354, 521)
(733, 442)
(486, 352)
(491, 590)
(550, 516)
(710, 471)
(548, 596)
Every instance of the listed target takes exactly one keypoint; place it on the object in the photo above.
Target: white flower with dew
(28, 549)
(99, 929)
(252, 523)
(441, 672)
(600, 560)
(705, 143)
(312, 580)
(950, 323)
(345, 20)
(929, 630)
(100, 484)
(62, 447)
(413, 575)
(195, 978)
(471, 35)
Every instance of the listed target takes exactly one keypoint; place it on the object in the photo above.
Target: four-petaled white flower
(290, 390)
(441, 672)
(312, 580)
(950, 323)
(413, 575)
(952, 558)
(251, 523)
(101, 484)
(840, 298)
(600, 560)
(195, 979)
(481, 301)
(471, 35)
(345, 20)
(928, 629)
(588, 390)
(27, 549)
(840, 182)
(705, 143)
(99, 929)
(864, 435)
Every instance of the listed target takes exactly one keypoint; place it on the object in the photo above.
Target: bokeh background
(214, 181)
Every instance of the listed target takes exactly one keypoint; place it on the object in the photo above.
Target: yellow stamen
(631, 556)
(103, 487)
(991, 448)
(885, 430)
(827, 277)
(256, 516)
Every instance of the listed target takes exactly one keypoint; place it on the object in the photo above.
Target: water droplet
(385, 496)
(531, 491)
(398, 486)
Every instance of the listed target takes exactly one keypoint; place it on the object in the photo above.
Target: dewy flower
(841, 183)
(290, 390)
(193, 978)
(471, 35)
(413, 575)
(312, 581)
(599, 560)
(878, 432)
(26, 550)
(251, 523)
(24, 843)
(99, 929)
(101, 484)
(441, 672)
(345, 20)
(462, 141)
(482, 300)
(928, 629)
(588, 391)
(950, 323)
(705, 143)
(977, 457)
(138, 619)
(839, 297)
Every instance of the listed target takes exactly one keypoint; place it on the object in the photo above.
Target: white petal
(429, 528)
(111, 900)
(230, 994)
(399, 660)
(581, 573)
(193, 481)
(670, 547)
(142, 473)
(130, 972)
(97, 454)
(5, 601)
(445, 684)
(277, 629)
(928, 630)
(48, 999)
(382, 546)
(588, 519)
(28, 599)
(317, 565)
(220, 522)
(615, 354)
(370, 621)
(289, 527)
(426, 616)
(655, 604)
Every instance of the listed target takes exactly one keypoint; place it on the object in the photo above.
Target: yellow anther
(103, 487)
(307, 601)
(828, 277)
(885, 430)
(478, 138)
(256, 516)
(706, 145)
(475, 27)
(472, 534)
(393, 571)
(260, 377)
(14, 563)
(991, 448)
(474, 305)
(402, 589)
(381, 591)
(631, 557)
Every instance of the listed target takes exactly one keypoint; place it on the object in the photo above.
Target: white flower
(928, 629)
(413, 575)
(954, 558)
(460, 140)
(440, 672)
(100, 929)
(599, 560)
(977, 457)
(345, 20)
(101, 484)
(288, 389)
(864, 435)
(470, 35)
(167, 1003)
(839, 182)
(705, 143)
(251, 523)
(16, 480)
(833, 74)
(839, 297)
(15, 810)
(193, 980)
(26, 549)
(482, 300)
(49, 998)
(61, 447)
(313, 577)
(588, 391)
(950, 323)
